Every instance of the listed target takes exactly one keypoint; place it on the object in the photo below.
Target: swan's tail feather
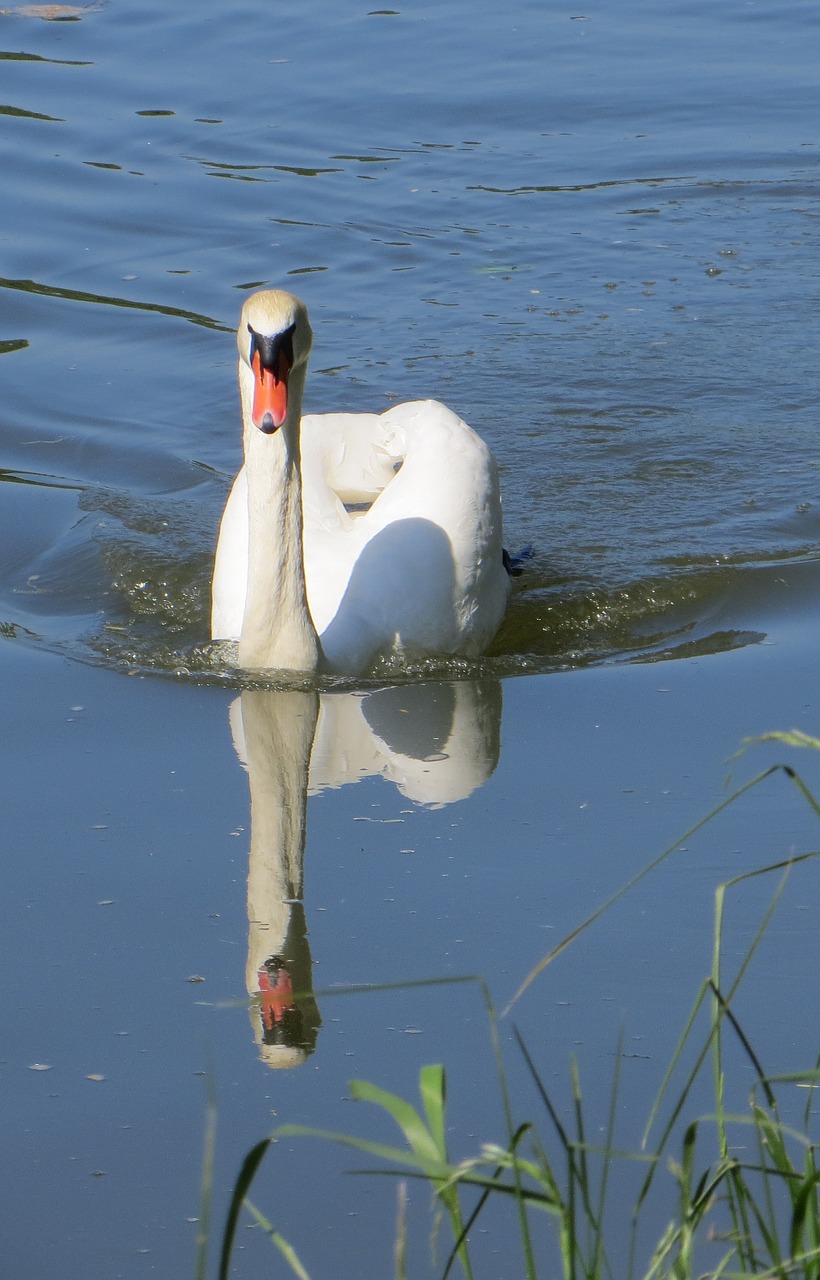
(514, 563)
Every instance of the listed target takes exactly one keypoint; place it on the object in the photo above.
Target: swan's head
(274, 340)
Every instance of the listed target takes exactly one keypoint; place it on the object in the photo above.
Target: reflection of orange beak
(270, 393)
(276, 990)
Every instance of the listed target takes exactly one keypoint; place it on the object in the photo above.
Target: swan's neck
(277, 629)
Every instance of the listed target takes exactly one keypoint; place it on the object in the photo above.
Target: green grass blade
(719, 1012)
(501, 1076)
(630, 884)
(683, 1040)
(745, 1042)
(772, 1135)
(810, 1077)
(482, 1200)
(608, 1155)
(808, 1208)
(537, 1199)
(242, 1185)
(206, 1186)
(804, 1214)
(400, 1252)
(287, 1250)
(419, 1138)
(544, 1095)
(791, 737)
(433, 1088)
(430, 1167)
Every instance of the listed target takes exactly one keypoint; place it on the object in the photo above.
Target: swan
(350, 537)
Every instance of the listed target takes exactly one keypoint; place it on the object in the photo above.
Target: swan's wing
(356, 453)
(348, 460)
(423, 567)
(449, 477)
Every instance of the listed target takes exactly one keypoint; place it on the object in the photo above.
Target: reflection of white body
(417, 569)
(436, 742)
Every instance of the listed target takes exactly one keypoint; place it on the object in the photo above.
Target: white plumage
(348, 537)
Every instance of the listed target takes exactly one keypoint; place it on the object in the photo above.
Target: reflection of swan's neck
(277, 629)
(277, 733)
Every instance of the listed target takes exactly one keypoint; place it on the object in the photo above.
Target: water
(619, 294)
(594, 234)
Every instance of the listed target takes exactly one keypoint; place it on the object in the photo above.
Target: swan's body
(304, 582)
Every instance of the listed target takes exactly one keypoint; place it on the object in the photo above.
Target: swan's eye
(274, 352)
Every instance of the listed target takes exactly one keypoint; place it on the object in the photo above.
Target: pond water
(594, 233)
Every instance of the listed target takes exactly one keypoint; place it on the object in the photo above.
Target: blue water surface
(594, 234)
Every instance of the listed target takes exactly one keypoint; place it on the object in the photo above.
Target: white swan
(305, 581)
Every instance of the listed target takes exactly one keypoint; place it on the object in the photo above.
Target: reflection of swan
(437, 742)
(273, 732)
(419, 571)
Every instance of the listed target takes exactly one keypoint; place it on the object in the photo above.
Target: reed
(758, 1215)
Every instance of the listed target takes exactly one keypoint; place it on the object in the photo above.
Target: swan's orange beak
(270, 392)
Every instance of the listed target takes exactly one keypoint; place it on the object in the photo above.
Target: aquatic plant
(747, 1209)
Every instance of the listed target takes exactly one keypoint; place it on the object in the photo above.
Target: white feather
(402, 546)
